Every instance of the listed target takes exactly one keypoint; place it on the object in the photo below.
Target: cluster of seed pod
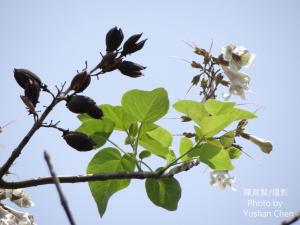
(31, 84)
(113, 59)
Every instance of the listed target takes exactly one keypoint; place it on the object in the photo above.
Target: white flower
(17, 196)
(222, 179)
(239, 83)
(265, 145)
(237, 57)
(9, 216)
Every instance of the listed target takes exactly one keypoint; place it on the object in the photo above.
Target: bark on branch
(99, 177)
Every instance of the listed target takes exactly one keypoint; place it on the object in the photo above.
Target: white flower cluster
(9, 216)
(17, 196)
(237, 57)
(221, 179)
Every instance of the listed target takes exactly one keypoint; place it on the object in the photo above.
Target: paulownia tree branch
(17, 151)
(37, 125)
(292, 220)
(99, 177)
(62, 198)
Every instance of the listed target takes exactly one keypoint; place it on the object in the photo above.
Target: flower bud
(188, 134)
(185, 119)
(196, 65)
(79, 141)
(23, 76)
(195, 80)
(114, 38)
(131, 45)
(80, 82)
(131, 69)
(265, 145)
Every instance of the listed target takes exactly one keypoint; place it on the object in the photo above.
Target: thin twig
(292, 220)
(99, 177)
(62, 198)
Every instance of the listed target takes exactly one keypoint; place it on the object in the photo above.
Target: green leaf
(216, 108)
(146, 106)
(199, 132)
(108, 160)
(214, 124)
(195, 110)
(185, 145)
(234, 152)
(240, 114)
(227, 139)
(213, 155)
(118, 115)
(98, 130)
(133, 129)
(171, 156)
(84, 117)
(163, 136)
(144, 154)
(165, 192)
(155, 139)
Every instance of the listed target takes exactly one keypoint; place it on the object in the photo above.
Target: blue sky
(54, 38)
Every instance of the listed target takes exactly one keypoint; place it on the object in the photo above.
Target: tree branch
(62, 198)
(292, 220)
(17, 151)
(99, 177)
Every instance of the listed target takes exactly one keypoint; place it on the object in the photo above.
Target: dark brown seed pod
(114, 38)
(23, 76)
(79, 141)
(95, 112)
(80, 104)
(131, 69)
(131, 45)
(28, 104)
(32, 91)
(109, 62)
(80, 82)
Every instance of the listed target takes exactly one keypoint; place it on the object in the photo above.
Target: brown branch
(99, 177)
(62, 198)
(17, 151)
(38, 123)
(292, 220)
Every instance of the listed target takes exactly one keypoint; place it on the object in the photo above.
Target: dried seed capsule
(79, 141)
(80, 82)
(95, 112)
(109, 62)
(131, 45)
(23, 76)
(80, 104)
(114, 38)
(32, 91)
(28, 104)
(131, 69)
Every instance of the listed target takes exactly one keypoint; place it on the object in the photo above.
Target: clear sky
(54, 38)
